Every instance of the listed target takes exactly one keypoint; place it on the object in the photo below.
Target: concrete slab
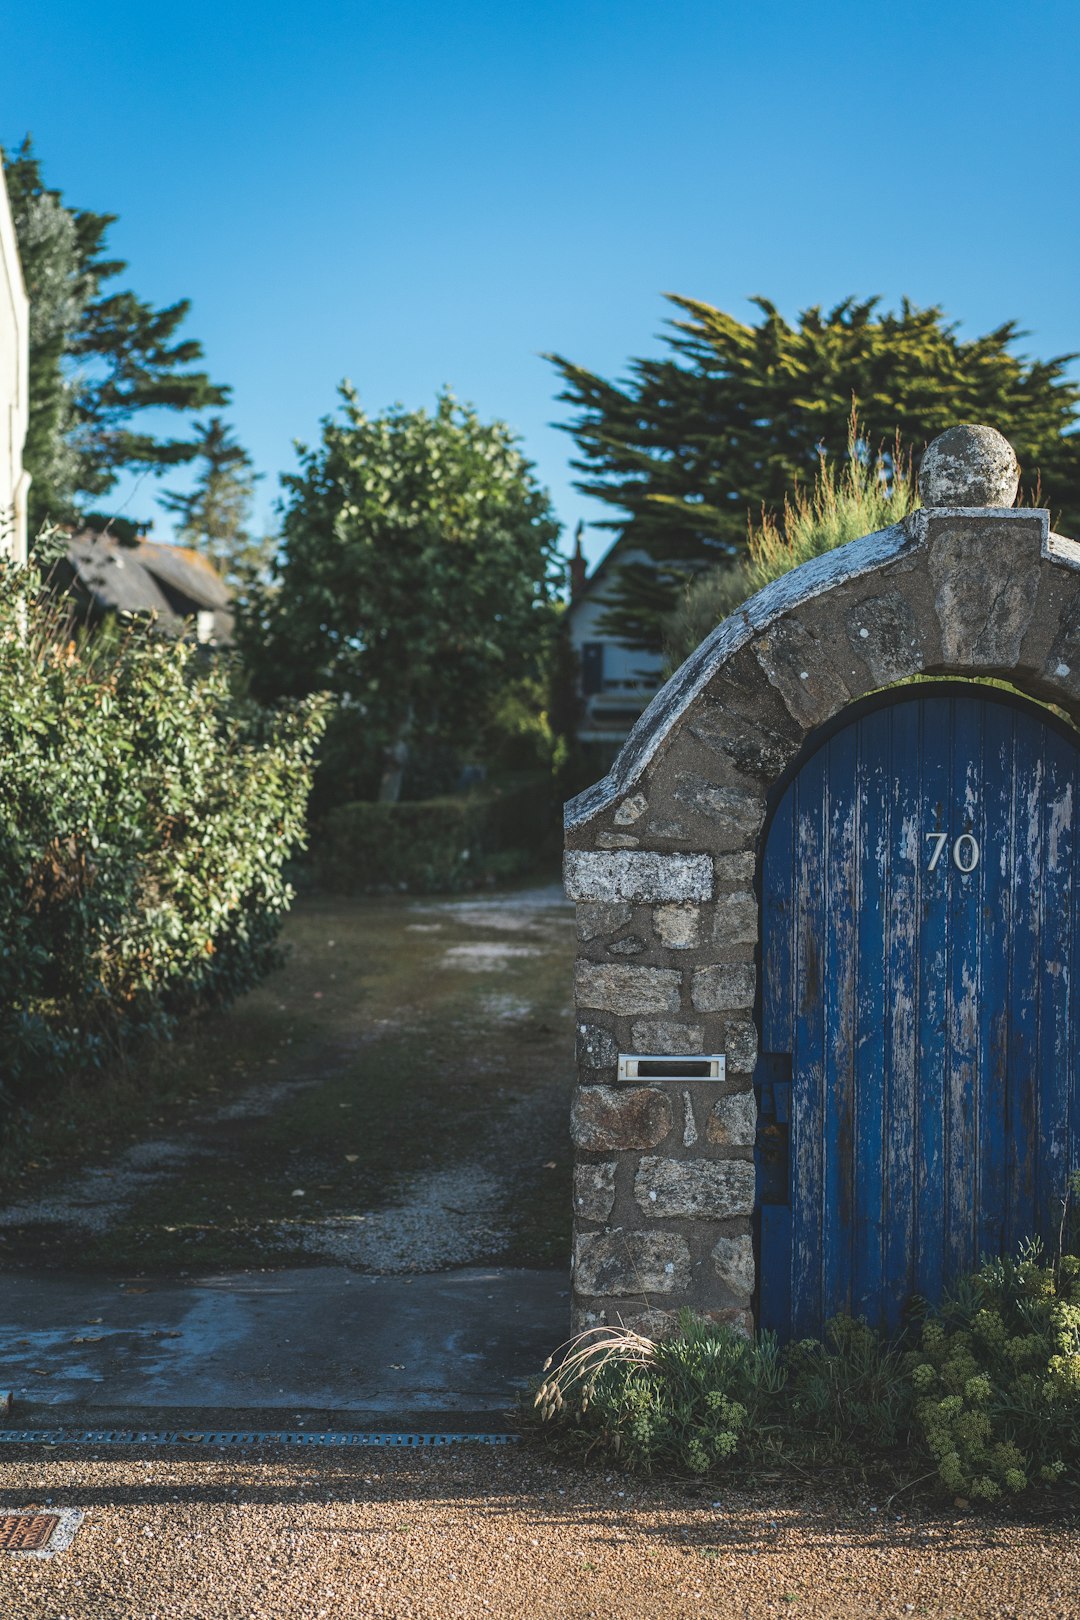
(293, 1343)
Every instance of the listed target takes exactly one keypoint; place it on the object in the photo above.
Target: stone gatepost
(662, 858)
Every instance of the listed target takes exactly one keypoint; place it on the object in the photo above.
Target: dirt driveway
(395, 1099)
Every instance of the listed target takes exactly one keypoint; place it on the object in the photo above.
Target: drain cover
(26, 1532)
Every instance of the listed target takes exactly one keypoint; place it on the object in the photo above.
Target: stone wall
(662, 859)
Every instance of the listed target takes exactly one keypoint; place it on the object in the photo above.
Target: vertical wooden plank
(873, 792)
(807, 1074)
(905, 855)
(964, 990)
(933, 816)
(1024, 973)
(838, 1008)
(774, 1296)
(995, 908)
(1056, 1045)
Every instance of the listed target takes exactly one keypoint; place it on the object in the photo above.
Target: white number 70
(965, 851)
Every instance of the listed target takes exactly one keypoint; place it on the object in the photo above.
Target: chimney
(578, 566)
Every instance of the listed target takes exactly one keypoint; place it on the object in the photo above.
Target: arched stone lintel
(960, 590)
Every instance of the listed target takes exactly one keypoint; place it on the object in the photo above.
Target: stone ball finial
(969, 465)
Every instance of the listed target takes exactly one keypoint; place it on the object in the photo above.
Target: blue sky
(413, 194)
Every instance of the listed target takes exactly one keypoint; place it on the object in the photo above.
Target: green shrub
(997, 1379)
(695, 1402)
(145, 815)
(436, 844)
(987, 1399)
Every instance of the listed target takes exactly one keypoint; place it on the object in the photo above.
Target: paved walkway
(321, 1345)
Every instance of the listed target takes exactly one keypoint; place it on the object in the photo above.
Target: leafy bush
(987, 1399)
(708, 1395)
(437, 844)
(997, 1378)
(145, 816)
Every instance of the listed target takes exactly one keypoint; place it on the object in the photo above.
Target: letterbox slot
(651, 1066)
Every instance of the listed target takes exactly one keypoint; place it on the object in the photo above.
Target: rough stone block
(741, 1045)
(736, 918)
(630, 1263)
(736, 870)
(613, 987)
(884, 633)
(606, 1119)
(594, 1191)
(596, 1048)
(754, 750)
(736, 813)
(723, 987)
(985, 586)
(733, 1262)
(736, 1318)
(632, 945)
(671, 832)
(678, 927)
(637, 875)
(631, 810)
(665, 1038)
(704, 1189)
(596, 918)
(791, 659)
(652, 1324)
(733, 1121)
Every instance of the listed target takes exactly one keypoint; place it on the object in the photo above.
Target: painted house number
(965, 851)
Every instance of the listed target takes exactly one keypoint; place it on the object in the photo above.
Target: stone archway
(662, 859)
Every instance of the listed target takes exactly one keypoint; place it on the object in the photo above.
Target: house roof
(171, 582)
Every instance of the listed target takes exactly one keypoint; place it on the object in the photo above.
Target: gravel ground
(484, 1532)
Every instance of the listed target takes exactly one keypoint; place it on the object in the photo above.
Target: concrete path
(320, 1346)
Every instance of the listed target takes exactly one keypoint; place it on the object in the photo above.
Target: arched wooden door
(918, 1099)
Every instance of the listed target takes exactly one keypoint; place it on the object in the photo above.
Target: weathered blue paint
(927, 1020)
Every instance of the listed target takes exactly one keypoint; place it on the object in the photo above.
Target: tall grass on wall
(146, 813)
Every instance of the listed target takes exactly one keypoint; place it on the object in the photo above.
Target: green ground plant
(146, 813)
(996, 1377)
(982, 1396)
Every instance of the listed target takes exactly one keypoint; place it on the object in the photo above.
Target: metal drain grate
(26, 1532)
(230, 1437)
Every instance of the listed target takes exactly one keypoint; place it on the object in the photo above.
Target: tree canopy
(215, 513)
(732, 419)
(98, 359)
(416, 580)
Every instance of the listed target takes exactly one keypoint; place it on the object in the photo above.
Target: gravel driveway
(499, 1532)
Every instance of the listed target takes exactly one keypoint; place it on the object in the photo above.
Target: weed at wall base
(982, 1396)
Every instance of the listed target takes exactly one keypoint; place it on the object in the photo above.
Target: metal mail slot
(641, 1066)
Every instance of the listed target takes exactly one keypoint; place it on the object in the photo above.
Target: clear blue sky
(412, 194)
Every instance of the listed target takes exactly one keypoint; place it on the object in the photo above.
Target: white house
(14, 384)
(615, 682)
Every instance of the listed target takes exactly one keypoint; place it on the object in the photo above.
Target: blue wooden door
(918, 1098)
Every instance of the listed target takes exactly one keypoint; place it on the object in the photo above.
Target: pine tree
(97, 359)
(734, 418)
(215, 514)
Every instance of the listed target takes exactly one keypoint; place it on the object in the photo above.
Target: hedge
(145, 816)
(447, 844)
